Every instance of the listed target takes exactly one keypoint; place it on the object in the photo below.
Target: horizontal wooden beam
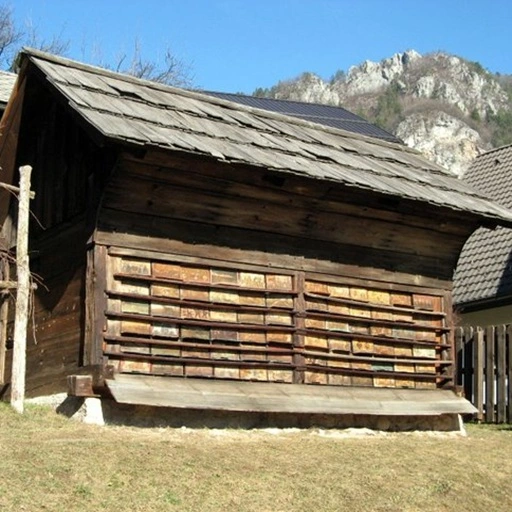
(234, 346)
(12, 188)
(80, 385)
(380, 307)
(199, 323)
(6, 285)
(198, 361)
(205, 286)
(203, 304)
(193, 393)
(90, 381)
(248, 348)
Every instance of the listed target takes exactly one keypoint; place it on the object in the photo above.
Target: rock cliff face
(442, 138)
(440, 104)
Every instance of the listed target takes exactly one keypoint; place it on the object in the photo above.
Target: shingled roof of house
(136, 112)
(484, 270)
(7, 81)
(328, 115)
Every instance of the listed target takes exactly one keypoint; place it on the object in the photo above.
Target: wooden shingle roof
(6, 85)
(484, 270)
(127, 110)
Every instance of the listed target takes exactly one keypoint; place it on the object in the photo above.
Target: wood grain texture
(291, 398)
(217, 327)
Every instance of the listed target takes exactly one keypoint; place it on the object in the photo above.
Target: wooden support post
(19, 356)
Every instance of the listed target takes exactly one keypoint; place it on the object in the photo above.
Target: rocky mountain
(445, 106)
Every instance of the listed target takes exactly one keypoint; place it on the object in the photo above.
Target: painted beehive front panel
(373, 337)
(179, 317)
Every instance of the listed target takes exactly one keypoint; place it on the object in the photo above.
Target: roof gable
(127, 110)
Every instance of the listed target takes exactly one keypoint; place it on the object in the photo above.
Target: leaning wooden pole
(19, 355)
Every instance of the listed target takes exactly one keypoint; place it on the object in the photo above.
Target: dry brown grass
(53, 464)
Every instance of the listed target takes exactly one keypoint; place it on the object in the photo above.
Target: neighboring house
(7, 81)
(483, 279)
(328, 115)
(200, 253)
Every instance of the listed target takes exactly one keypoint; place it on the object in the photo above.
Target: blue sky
(238, 45)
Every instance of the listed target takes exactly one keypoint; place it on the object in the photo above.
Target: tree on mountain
(388, 112)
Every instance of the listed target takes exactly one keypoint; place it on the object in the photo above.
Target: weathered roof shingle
(7, 81)
(138, 112)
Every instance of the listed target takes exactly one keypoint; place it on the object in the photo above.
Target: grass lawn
(50, 463)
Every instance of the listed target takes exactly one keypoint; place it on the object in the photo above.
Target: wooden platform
(283, 398)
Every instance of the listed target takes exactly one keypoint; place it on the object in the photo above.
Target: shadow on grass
(507, 427)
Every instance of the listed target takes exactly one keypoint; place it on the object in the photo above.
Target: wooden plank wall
(196, 201)
(484, 370)
(69, 170)
(370, 287)
(55, 333)
(171, 315)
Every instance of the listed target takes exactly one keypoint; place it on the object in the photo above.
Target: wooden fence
(484, 370)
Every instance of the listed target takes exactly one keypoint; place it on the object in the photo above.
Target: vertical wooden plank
(4, 313)
(459, 356)
(99, 297)
(490, 386)
(89, 307)
(45, 186)
(61, 144)
(300, 323)
(448, 372)
(509, 373)
(501, 374)
(469, 364)
(9, 127)
(478, 369)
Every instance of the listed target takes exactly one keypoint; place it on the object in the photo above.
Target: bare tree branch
(56, 44)
(172, 71)
(10, 36)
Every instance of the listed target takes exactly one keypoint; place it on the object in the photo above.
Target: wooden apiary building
(199, 253)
